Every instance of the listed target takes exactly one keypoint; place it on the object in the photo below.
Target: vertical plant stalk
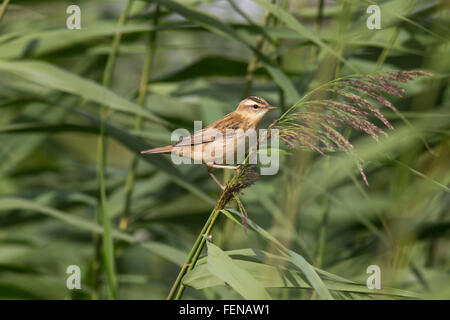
(102, 214)
(178, 287)
(384, 54)
(253, 64)
(343, 25)
(386, 50)
(3, 9)
(321, 236)
(277, 22)
(319, 21)
(324, 216)
(322, 233)
(244, 15)
(143, 90)
(320, 14)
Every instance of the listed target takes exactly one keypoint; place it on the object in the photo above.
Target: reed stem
(143, 90)
(253, 64)
(3, 8)
(197, 244)
(178, 287)
(102, 214)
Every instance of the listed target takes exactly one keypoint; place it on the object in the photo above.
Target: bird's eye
(255, 106)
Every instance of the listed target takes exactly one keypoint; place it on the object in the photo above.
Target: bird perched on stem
(219, 142)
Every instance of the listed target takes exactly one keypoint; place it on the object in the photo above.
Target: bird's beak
(271, 107)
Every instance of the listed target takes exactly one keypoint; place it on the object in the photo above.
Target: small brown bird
(227, 134)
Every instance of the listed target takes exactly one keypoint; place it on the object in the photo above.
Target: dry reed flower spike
(245, 177)
(318, 126)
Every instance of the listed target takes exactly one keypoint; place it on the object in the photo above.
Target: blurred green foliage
(316, 209)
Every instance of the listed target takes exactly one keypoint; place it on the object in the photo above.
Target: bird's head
(254, 108)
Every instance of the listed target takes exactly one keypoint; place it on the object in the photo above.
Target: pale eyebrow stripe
(256, 99)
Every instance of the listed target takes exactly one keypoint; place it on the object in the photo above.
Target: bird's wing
(208, 134)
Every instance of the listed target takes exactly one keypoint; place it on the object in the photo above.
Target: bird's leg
(209, 168)
(222, 166)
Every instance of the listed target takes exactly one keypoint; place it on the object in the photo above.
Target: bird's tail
(158, 150)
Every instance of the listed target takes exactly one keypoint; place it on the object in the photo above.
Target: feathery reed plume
(318, 125)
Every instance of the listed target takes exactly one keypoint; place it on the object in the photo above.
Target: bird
(225, 135)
